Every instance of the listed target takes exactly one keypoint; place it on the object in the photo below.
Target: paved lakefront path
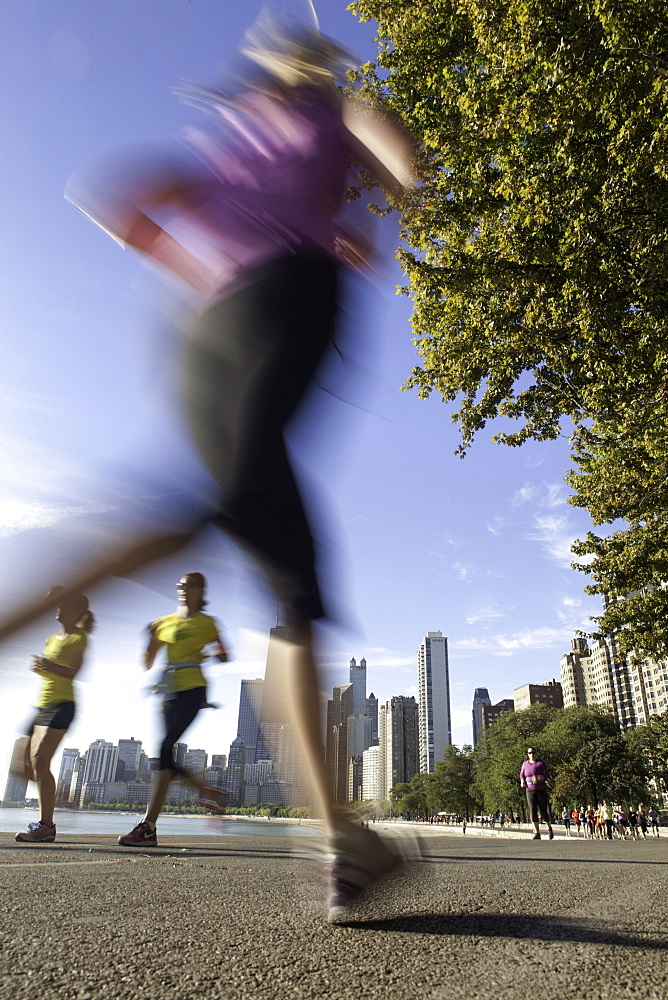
(241, 917)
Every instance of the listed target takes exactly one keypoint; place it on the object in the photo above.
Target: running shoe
(358, 857)
(536, 836)
(38, 833)
(141, 836)
(550, 835)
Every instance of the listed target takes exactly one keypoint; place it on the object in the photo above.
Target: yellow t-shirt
(65, 650)
(185, 639)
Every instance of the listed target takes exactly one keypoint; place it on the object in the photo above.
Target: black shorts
(537, 800)
(55, 716)
(249, 363)
(179, 711)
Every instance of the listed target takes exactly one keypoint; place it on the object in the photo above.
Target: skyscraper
(480, 698)
(398, 730)
(372, 712)
(17, 786)
(434, 694)
(358, 680)
(236, 765)
(339, 710)
(250, 706)
(129, 754)
(67, 764)
(101, 759)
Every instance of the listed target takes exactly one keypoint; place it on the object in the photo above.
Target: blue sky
(420, 540)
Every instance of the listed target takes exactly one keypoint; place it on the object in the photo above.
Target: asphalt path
(237, 917)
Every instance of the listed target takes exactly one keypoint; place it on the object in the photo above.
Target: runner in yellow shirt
(61, 662)
(185, 633)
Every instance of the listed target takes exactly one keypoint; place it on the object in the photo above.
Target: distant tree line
(588, 757)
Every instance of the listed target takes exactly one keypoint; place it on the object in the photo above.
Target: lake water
(15, 820)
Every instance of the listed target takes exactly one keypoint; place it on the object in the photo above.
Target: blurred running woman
(265, 179)
(57, 667)
(186, 634)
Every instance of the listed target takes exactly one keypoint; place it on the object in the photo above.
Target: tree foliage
(536, 247)
(588, 759)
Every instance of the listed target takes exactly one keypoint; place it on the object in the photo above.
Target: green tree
(453, 782)
(536, 248)
(650, 742)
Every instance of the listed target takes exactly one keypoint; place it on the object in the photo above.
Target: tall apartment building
(250, 706)
(549, 694)
(129, 759)
(196, 761)
(236, 766)
(68, 762)
(434, 699)
(357, 678)
(491, 713)
(101, 760)
(16, 787)
(399, 742)
(481, 697)
(339, 710)
(373, 783)
(372, 712)
(598, 673)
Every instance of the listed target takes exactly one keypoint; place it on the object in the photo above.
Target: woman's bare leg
(43, 745)
(300, 673)
(160, 788)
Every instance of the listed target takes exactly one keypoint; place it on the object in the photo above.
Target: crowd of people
(609, 821)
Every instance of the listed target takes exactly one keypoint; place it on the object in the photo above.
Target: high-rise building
(373, 784)
(358, 680)
(491, 713)
(67, 764)
(275, 710)
(480, 698)
(399, 736)
(434, 699)
(372, 712)
(250, 707)
(219, 760)
(598, 673)
(236, 765)
(129, 758)
(76, 785)
(196, 761)
(179, 754)
(16, 786)
(538, 694)
(101, 759)
(339, 710)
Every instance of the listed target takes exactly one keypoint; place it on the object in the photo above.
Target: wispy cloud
(484, 612)
(496, 525)
(463, 571)
(505, 644)
(556, 535)
(543, 495)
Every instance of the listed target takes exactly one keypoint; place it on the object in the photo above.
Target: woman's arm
(151, 651)
(124, 208)
(381, 145)
(219, 650)
(42, 665)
